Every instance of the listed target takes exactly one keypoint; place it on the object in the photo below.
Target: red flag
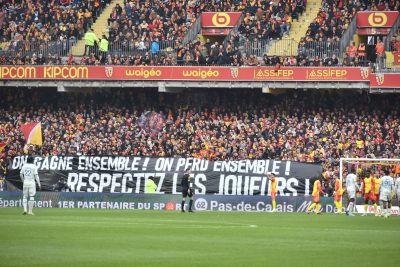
(32, 133)
(2, 146)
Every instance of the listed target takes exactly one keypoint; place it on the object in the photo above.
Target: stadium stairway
(288, 45)
(100, 27)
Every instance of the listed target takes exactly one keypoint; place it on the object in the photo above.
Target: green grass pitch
(76, 237)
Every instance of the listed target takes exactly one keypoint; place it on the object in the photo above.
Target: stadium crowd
(144, 21)
(191, 58)
(335, 16)
(270, 19)
(152, 32)
(34, 23)
(156, 25)
(395, 42)
(139, 23)
(215, 125)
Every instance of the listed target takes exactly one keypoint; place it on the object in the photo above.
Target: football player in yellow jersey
(368, 191)
(272, 178)
(377, 184)
(337, 195)
(317, 190)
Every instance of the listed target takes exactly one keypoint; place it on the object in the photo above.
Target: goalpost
(366, 163)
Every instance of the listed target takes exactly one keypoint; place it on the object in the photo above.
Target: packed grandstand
(214, 125)
(210, 124)
(128, 126)
(156, 32)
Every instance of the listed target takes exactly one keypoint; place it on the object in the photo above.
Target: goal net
(367, 200)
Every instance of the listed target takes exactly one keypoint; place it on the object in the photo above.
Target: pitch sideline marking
(194, 224)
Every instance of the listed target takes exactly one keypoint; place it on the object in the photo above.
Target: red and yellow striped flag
(2, 146)
(32, 133)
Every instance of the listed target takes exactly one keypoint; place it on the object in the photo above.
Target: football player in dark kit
(187, 190)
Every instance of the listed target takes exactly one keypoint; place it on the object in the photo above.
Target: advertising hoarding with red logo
(182, 73)
(385, 80)
(178, 73)
(376, 19)
(219, 19)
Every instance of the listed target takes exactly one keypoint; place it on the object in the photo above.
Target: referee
(187, 190)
